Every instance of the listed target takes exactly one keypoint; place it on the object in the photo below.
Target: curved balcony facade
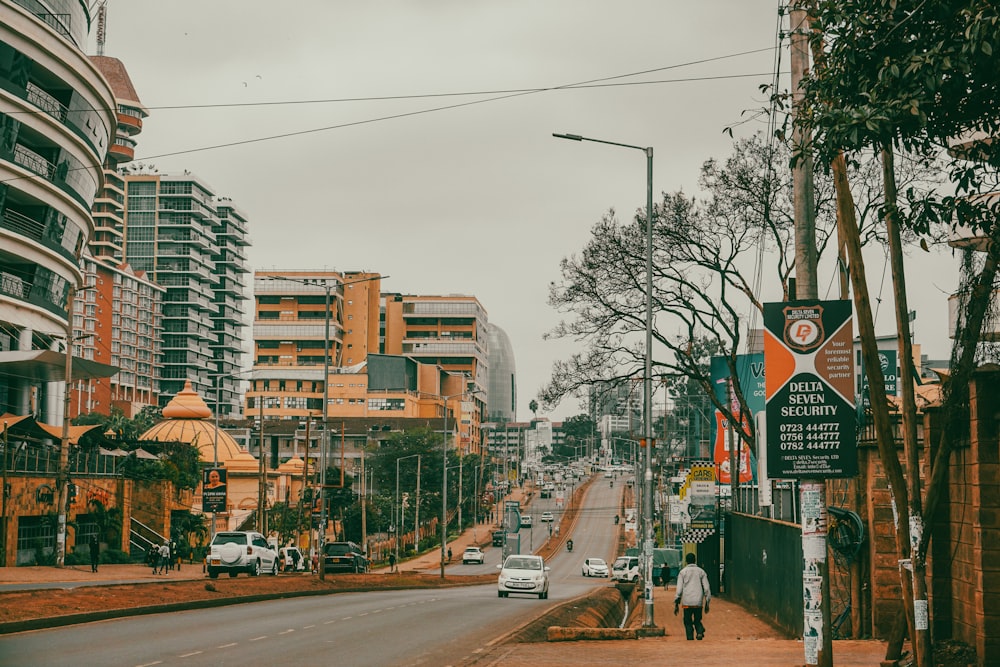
(57, 120)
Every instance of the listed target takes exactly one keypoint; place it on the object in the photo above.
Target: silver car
(241, 551)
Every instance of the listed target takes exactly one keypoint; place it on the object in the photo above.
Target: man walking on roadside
(95, 553)
(164, 559)
(692, 591)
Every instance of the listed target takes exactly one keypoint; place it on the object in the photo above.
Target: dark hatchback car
(344, 557)
(498, 538)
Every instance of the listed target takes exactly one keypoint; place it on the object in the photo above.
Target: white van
(625, 568)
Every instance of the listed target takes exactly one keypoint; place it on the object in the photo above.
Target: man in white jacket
(693, 591)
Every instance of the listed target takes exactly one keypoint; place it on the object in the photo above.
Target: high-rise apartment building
(117, 321)
(109, 207)
(118, 315)
(57, 122)
(450, 331)
(172, 232)
(298, 314)
(378, 370)
(230, 296)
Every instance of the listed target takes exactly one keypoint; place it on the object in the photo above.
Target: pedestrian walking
(392, 562)
(164, 559)
(95, 553)
(693, 593)
(449, 554)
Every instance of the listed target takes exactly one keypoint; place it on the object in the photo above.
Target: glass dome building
(502, 377)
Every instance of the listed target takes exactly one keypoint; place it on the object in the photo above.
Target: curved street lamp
(647, 504)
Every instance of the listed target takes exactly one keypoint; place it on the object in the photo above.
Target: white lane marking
(309, 627)
(149, 664)
(257, 639)
(188, 655)
(229, 645)
(329, 622)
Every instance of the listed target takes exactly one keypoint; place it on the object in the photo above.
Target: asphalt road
(415, 627)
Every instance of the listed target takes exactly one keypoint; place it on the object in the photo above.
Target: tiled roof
(116, 74)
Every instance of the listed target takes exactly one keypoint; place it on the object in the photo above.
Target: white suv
(241, 551)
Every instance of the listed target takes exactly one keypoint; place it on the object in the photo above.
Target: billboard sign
(809, 378)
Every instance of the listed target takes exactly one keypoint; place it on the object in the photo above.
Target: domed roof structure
(187, 418)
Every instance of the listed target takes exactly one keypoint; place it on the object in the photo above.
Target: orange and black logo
(803, 327)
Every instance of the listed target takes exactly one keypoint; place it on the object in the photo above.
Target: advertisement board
(809, 379)
(213, 490)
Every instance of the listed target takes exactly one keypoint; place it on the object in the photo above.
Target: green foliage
(909, 74)
(188, 530)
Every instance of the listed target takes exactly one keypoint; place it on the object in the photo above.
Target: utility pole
(364, 517)
(461, 450)
(807, 288)
(302, 493)
(261, 483)
(62, 478)
(3, 490)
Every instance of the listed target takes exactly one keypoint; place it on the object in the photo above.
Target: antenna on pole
(102, 17)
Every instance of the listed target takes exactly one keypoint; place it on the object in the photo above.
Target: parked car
(287, 560)
(344, 557)
(625, 568)
(547, 517)
(523, 573)
(473, 555)
(240, 551)
(526, 521)
(595, 567)
(498, 538)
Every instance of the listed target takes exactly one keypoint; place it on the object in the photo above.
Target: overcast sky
(474, 199)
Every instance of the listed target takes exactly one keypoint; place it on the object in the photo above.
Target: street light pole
(647, 524)
(444, 480)
(327, 286)
(326, 429)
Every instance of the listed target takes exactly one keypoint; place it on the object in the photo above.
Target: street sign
(811, 418)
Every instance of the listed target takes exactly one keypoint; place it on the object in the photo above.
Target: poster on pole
(213, 490)
(750, 376)
(809, 381)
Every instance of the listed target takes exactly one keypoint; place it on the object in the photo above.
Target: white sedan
(547, 517)
(595, 567)
(473, 555)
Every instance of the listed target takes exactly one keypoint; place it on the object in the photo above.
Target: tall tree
(708, 262)
(914, 76)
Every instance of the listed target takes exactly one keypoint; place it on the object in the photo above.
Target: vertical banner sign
(750, 375)
(887, 359)
(213, 490)
(809, 383)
